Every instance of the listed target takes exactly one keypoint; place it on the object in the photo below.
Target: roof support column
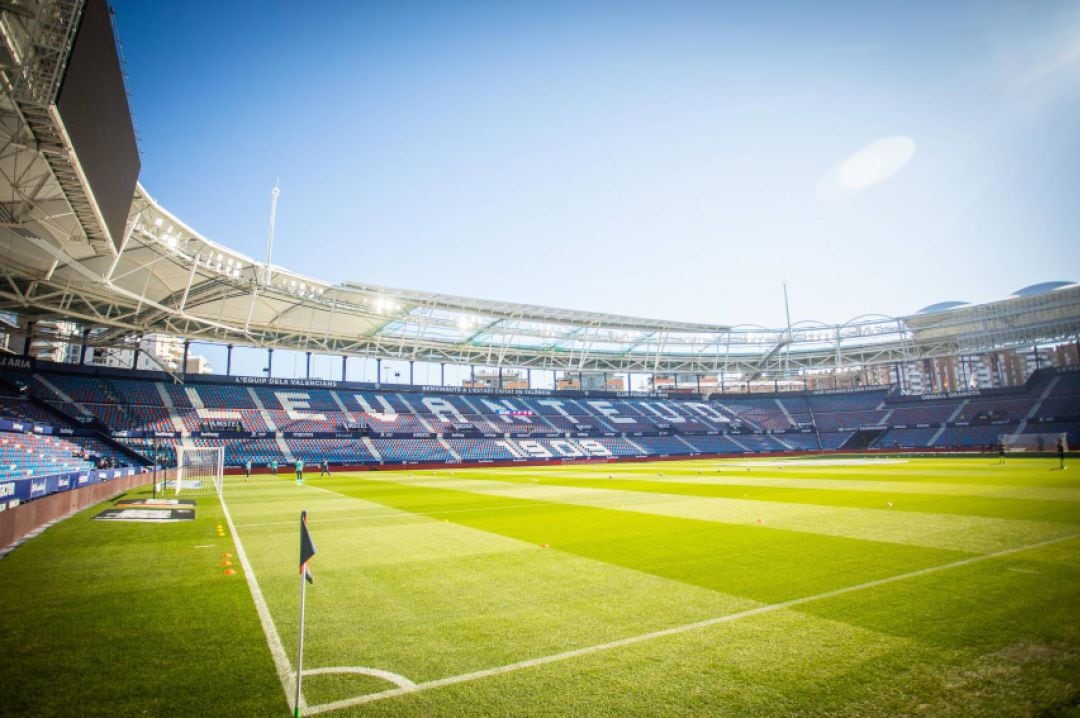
(307, 366)
(344, 365)
(82, 348)
(269, 362)
(29, 338)
(187, 348)
(411, 362)
(442, 374)
(228, 360)
(378, 370)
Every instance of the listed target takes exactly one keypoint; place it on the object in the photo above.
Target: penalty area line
(673, 631)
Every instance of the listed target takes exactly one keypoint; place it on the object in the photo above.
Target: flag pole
(307, 550)
(300, 650)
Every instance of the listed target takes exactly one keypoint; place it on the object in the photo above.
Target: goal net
(1034, 443)
(199, 470)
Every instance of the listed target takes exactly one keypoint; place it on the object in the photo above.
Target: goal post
(1044, 443)
(200, 470)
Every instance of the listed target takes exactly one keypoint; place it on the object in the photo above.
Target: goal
(1034, 443)
(199, 470)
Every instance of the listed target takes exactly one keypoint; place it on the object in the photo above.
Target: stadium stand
(31, 455)
(356, 424)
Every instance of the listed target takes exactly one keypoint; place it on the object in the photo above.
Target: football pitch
(853, 587)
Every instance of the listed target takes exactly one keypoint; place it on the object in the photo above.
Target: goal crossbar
(199, 470)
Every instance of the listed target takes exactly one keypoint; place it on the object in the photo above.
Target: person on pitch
(324, 467)
(1061, 453)
(247, 470)
(299, 470)
(273, 467)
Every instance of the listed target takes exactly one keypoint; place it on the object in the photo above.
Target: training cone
(761, 521)
(226, 555)
(226, 562)
(543, 545)
(230, 572)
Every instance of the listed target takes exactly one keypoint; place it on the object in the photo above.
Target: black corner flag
(307, 548)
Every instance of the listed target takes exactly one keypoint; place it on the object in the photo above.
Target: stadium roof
(164, 277)
(1041, 288)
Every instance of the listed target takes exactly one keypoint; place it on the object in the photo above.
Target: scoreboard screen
(94, 110)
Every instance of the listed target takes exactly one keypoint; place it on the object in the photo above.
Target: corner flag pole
(307, 550)
(300, 651)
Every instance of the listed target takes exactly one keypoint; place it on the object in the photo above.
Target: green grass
(439, 575)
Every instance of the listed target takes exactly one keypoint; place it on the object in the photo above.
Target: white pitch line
(631, 640)
(273, 640)
(395, 678)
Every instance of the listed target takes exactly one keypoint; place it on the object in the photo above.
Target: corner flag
(307, 548)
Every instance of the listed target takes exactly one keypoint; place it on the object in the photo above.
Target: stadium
(593, 514)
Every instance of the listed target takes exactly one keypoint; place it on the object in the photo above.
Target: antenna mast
(787, 348)
(270, 244)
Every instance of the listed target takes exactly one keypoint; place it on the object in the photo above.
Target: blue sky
(659, 159)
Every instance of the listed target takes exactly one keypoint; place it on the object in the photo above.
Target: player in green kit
(299, 471)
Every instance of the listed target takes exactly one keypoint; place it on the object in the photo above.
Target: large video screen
(94, 109)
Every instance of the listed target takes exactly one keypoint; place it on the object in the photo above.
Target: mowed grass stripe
(1066, 512)
(427, 598)
(756, 562)
(1023, 487)
(1012, 660)
(981, 472)
(949, 532)
(112, 618)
